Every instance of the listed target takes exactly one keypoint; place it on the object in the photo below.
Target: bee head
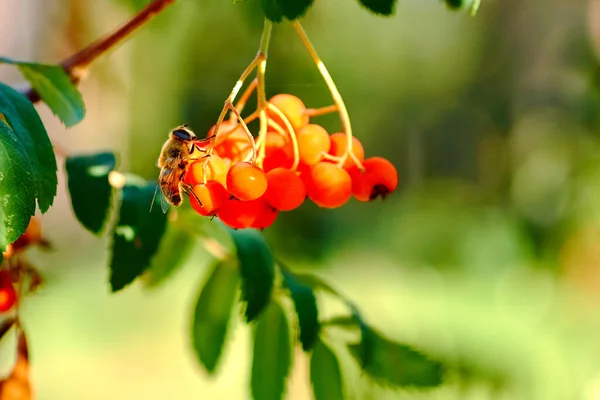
(184, 134)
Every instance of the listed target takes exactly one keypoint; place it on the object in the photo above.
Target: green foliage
(212, 314)
(325, 373)
(89, 188)
(305, 304)
(454, 4)
(393, 363)
(257, 270)
(17, 183)
(54, 86)
(272, 354)
(379, 7)
(136, 236)
(166, 261)
(29, 129)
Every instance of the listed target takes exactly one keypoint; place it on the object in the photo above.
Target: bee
(173, 162)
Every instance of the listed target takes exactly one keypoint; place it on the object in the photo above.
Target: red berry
(239, 214)
(246, 181)
(212, 196)
(8, 295)
(265, 217)
(339, 145)
(215, 167)
(285, 190)
(328, 185)
(278, 152)
(313, 142)
(379, 179)
(292, 107)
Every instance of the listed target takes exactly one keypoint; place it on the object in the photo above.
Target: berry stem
(317, 112)
(291, 132)
(76, 65)
(229, 102)
(335, 94)
(244, 99)
(235, 111)
(260, 91)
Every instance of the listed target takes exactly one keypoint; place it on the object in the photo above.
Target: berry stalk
(291, 131)
(337, 97)
(260, 92)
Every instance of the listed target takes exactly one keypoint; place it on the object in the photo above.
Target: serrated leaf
(305, 304)
(54, 86)
(276, 10)
(174, 249)
(325, 373)
(379, 7)
(17, 182)
(272, 354)
(212, 313)
(26, 124)
(90, 189)
(136, 236)
(257, 270)
(395, 364)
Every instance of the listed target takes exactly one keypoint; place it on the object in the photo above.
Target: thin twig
(75, 65)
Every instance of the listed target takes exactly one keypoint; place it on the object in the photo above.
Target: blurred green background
(488, 256)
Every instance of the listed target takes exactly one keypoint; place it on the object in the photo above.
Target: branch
(76, 64)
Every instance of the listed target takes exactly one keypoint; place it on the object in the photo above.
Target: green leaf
(272, 356)
(17, 183)
(305, 304)
(379, 7)
(213, 310)
(89, 188)
(167, 261)
(276, 10)
(393, 363)
(136, 236)
(54, 86)
(29, 129)
(325, 373)
(256, 269)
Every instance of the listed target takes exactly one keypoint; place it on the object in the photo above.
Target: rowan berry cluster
(247, 182)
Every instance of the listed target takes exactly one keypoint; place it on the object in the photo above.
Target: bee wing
(164, 204)
(167, 188)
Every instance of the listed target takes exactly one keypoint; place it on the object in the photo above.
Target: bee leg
(189, 190)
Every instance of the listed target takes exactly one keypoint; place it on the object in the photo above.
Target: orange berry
(265, 217)
(339, 144)
(8, 295)
(239, 214)
(328, 185)
(32, 235)
(378, 179)
(212, 196)
(278, 152)
(313, 141)
(285, 190)
(232, 144)
(216, 170)
(246, 181)
(292, 107)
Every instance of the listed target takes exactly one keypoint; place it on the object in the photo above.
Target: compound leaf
(17, 183)
(325, 373)
(395, 364)
(136, 236)
(257, 270)
(54, 86)
(272, 356)
(89, 188)
(27, 126)
(212, 314)
(379, 7)
(305, 304)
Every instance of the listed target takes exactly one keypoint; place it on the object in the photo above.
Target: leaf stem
(76, 64)
(335, 94)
